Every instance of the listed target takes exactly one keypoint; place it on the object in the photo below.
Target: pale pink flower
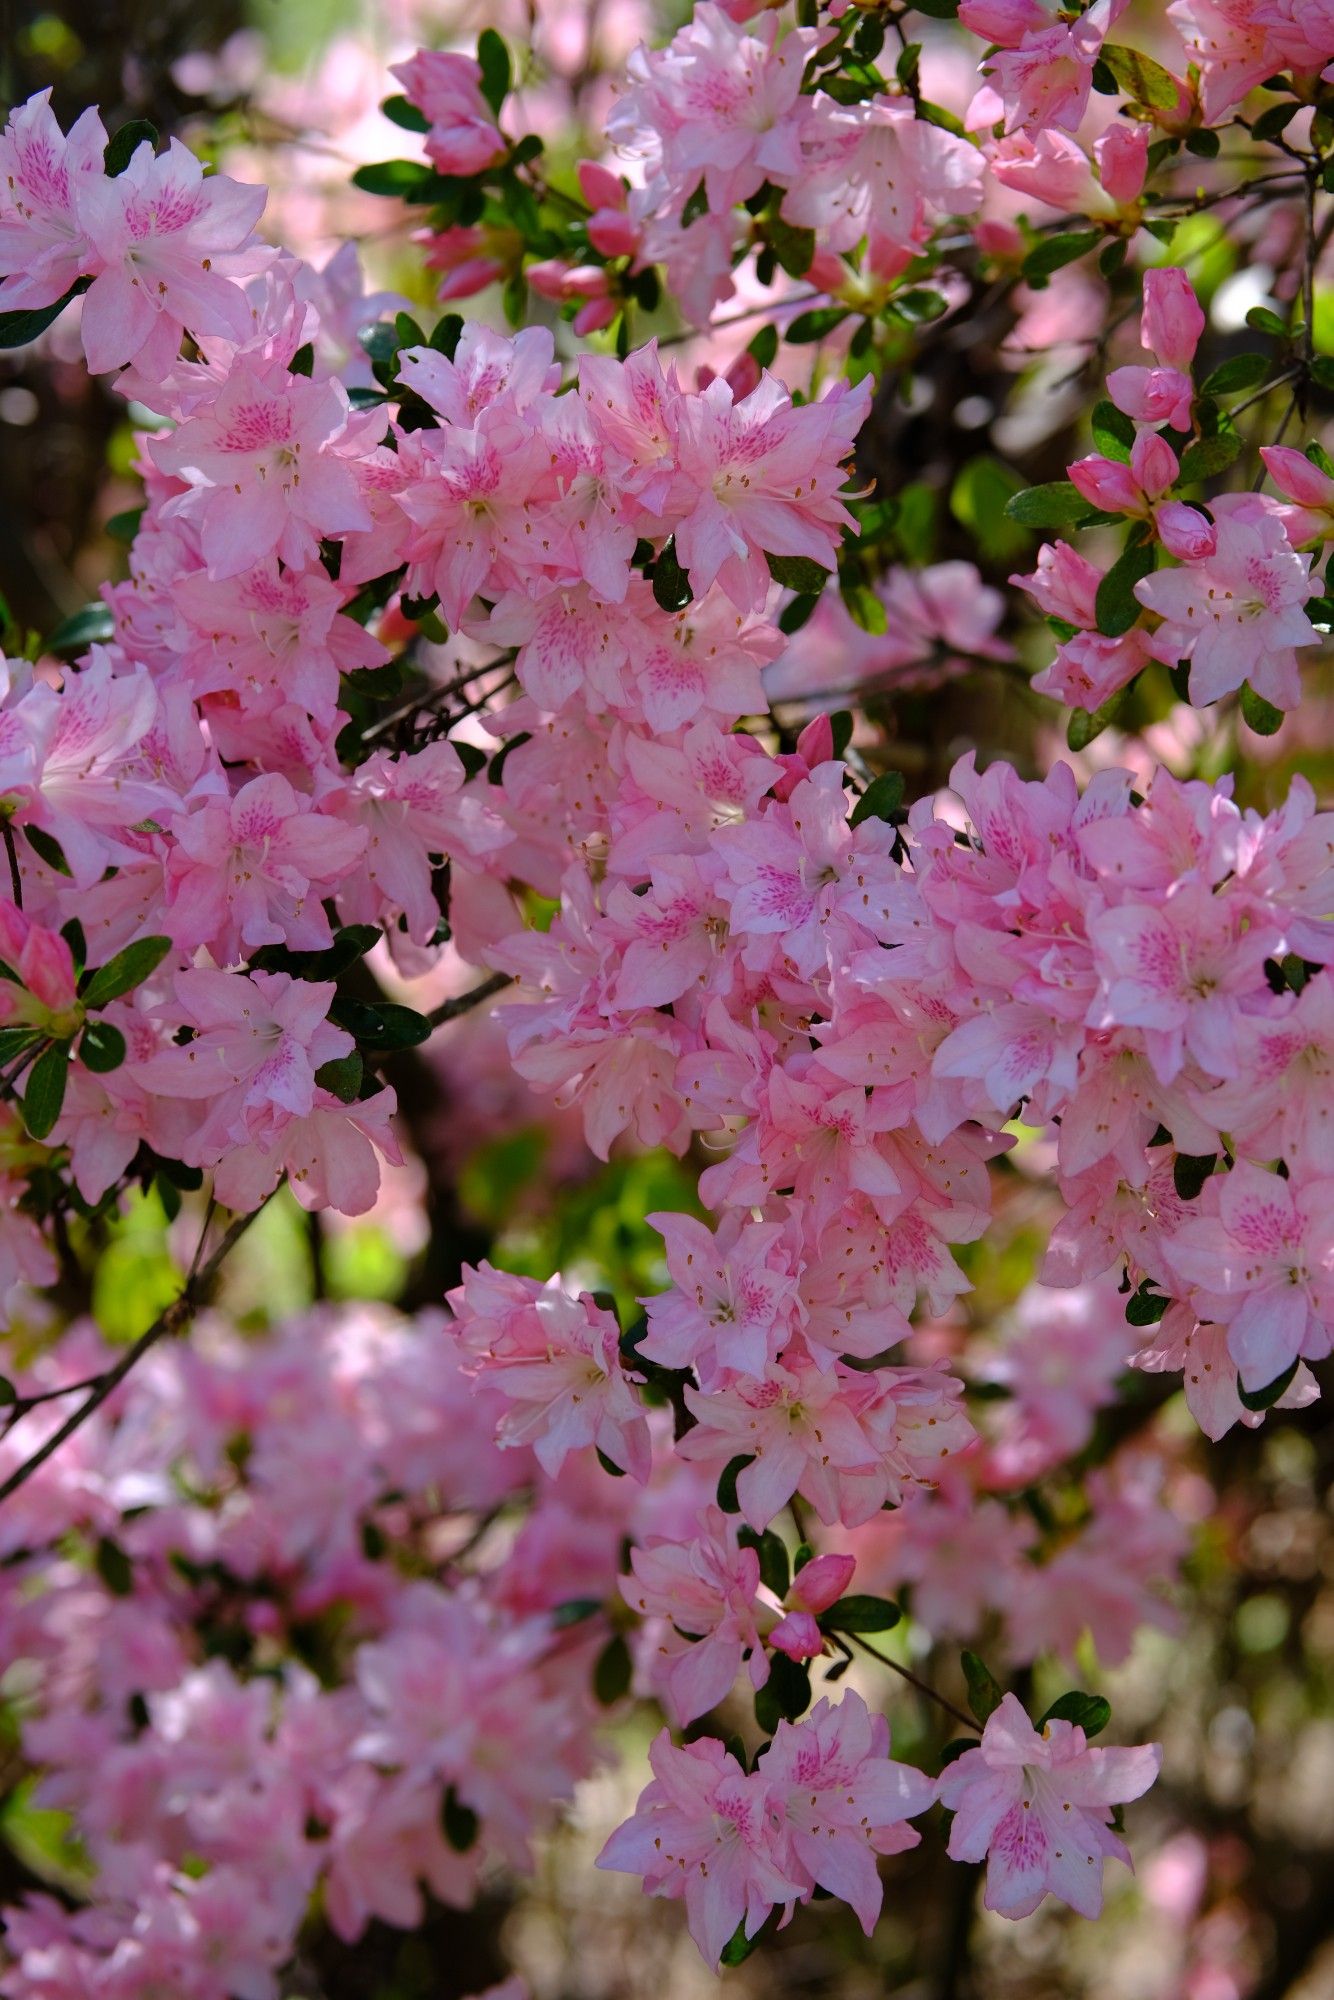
(1037, 1809)
(707, 1831)
(266, 470)
(1261, 1260)
(166, 237)
(44, 246)
(844, 1799)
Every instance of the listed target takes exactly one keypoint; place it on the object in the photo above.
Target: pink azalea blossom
(1037, 1809)
(707, 1831)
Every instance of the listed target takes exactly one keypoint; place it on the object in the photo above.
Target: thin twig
(16, 881)
(174, 1319)
(923, 1687)
(463, 1003)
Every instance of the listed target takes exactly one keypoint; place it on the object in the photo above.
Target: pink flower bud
(600, 187)
(1294, 475)
(1106, 484)
(596, 314)
(1184, 531)
(1173, 318)
(1153, 463)
(14, 928)
(743, 375)
(1122, 155)
(798, 1636)
(816, 745)
(1153, 395)
(613, 233)
(46, 968)
(998, 239)
(820, 1583)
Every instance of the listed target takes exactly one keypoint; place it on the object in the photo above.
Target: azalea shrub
(666, 1028)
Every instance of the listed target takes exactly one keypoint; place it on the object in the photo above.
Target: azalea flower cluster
(274, 1657)
(1229, 612)
(313, 1649)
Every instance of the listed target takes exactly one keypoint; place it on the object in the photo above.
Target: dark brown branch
(463, 1003)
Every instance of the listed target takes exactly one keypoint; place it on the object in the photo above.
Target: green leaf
(1049, 506)
(862, 1614)
(794, 248)
(128, 969)
(1206, 456)
(303, 361)
(44, 1092)
(797, 573)
(1272, 122)
(101, 1047)
(1261, 715)
(775, 1570)
(113, 1566)
(671, 584)
(1261, 320)
(1203, 142)
(882, 798)
(763, 349)
(1086, 724)
(727, 1478)
(494, 60)
(400, 110)
(1090, 1712)
(985, 1693)
(611, 1672)
(795, 614)
(1190, 1171)
(1265, 1399)
(47, 848)
(8, 1393)
(739, 1947)
(13, 1041)
(1112, 256)
(955, 1748)
(1243, 371)
(350, 943)
(122, 146)
(1113, 432)
(1145, 1307)
(124, 527)
(1054, 252)
(697, 206)
(403, 179)
(445, 334)
(383, 1026)
(1140, 77)
(19, 329)
(978, 498)
(94, 624)
(574, 1611)
(920, 305)
(1322, 370)
(785, 1695)
(841, 724)
(458, 1822)
(808, 326)
(865, 608)
(936, 114)
(1116, 604)
(342, 1075)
